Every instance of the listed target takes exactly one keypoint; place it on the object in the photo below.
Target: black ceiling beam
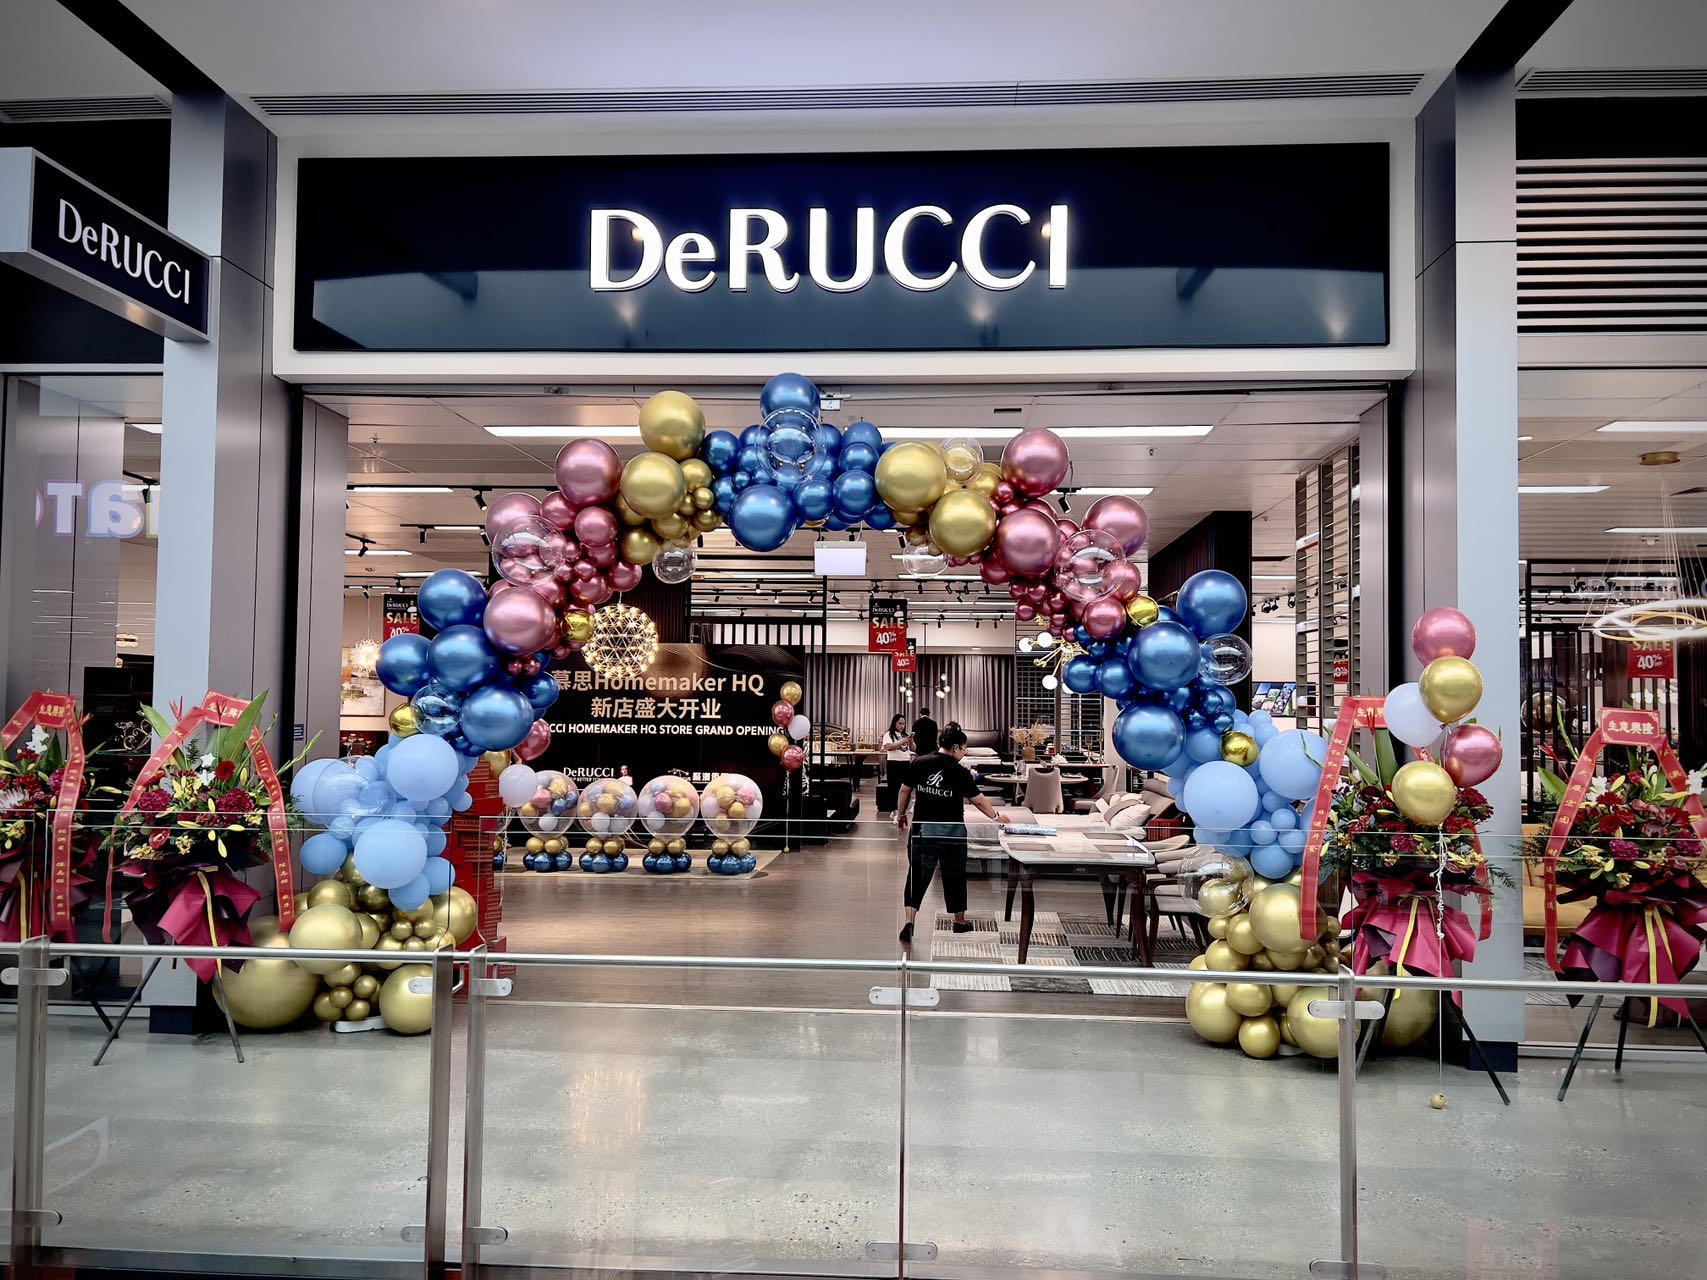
(1511, 34)
(143, 45)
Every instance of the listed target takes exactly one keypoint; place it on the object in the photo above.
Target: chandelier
(624, 643)
(1644, 607)
(364, 658)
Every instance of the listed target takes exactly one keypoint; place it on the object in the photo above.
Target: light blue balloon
(1291, 841)
(391, 853)
(376, 797)
(1292, 763)
(1283, 819)
(460, 803)
(334, 791)
(1203, 745)
(1176, 786)
(1260, 718)
(1270, 861)
(302, 785)
(323, 853)
(1264, 734)
(384, 753)
(1262, 832)
(1237, 841)
(343, 825)
(414, 894)
(439, 875)
(437, 808)
(1209, 836)
(421, 768)
(366, 766)
(1268, 800)
(1221, 794)
(436, 842)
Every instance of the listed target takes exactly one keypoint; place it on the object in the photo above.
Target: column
(1458, 506)
(323, 449)
(227, 470)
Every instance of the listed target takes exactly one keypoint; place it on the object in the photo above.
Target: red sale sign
(888, 627)
(1653, 662)
(903, 662)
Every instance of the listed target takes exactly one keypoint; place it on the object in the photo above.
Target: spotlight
(423, 537)
(480, 498)
(1065, 506)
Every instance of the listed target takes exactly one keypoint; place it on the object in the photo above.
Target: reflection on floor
(739, 1140)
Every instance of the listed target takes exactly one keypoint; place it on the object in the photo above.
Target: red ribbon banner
(222, 711)
(58, 712)
(1617, 728)
(1361, 712)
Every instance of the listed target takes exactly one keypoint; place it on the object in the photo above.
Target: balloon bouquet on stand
(606, 812)
(731, 805)
(545, 802)
(668, 806)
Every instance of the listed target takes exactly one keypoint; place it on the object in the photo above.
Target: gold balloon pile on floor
(345, 913)
(1255, 926)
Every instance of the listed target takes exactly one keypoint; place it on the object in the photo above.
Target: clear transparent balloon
(731, 805)
(607, 807)
(1226, 659)
(962, 455)
(793, 443)
(923, 561)
(553, 803)
(667, 806)
(529, 552)
(1219, 882)
(675, 561)
(1084, 561)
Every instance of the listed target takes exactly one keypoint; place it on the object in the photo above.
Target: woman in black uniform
(942, 786)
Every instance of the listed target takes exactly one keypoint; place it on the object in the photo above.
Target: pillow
(1156, 786)
(1132, 815)
(1117, 804)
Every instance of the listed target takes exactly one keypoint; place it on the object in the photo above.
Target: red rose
(234, 803)
(225, 770)
(153, 802)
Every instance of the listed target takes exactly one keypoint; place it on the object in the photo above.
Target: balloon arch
(482, 681)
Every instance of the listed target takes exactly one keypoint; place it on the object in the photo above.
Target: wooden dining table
(1082, 845)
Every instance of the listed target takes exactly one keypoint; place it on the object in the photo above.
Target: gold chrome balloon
(1220, 897)
(1451, 688)
(358, 1010)
(344, 976)
(719, 847)
(639, 546)
(578, 626)
(595, 845)
(1217, 926)
(1207, 1010)
(791, 692)
(652, 484)
(402, 929)
(324, 1009)
(1283, 992)
(676, 846)
(405, 722)
(414, 944)
(741, 846)
(1319, 1037)
(426, 929)
(625, 513)
(1274, 918)
(349, 875)
(496, 761)
(1141, 611)
(706, 521)
(963, 522)
(373, 898)
(1241, 937)
(911, 475)
(536, 845)
(985, 479)
(698, 473)
(1248, 999)
(1286, 961)
(370, 930)
(417, 914)
(387, 943)
(670, 528)
(1198, 962)
(703, 499)
(1261, 961)
(406, 1012)
(366, 987)
(456, 912)
(1409, 1017)
(778, 743)
(265, 994)
(331, 891)
(1259, 1037)
(327, 927)
(1222, 958)
(1424, 792)
(671, 423)
(1239, 748)
(613, 846)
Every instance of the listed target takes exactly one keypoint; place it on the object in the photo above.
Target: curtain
(980, 692)
(858, 692)
(854, 691)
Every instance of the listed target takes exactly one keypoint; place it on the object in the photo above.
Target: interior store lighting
(1124, 433)
(1635, 428)
(400, 488)
(152, 428)
(1562, 488)
(546, 432)
(1656, 528)
(1125, 490)
(375, 551)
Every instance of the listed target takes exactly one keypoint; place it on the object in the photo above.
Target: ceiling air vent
(840, 97)
(53, 110)
(1612, 246)
(1605, 80)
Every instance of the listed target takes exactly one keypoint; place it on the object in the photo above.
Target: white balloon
(599, 823)
(517, 784)
(799, 727)
(1408, 719)
(545, 822)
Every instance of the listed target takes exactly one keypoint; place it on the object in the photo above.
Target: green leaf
(1564, 734)
(1552, 784)
(1385, 759)
(1363, 770)
(160, 724)
(231, 743)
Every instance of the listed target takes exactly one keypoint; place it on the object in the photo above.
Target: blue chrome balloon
(541, 691)
(1212, 602)
(719, 451)
(855, 492)
(1221, 722)
(1114, 678)
(1079, 673)
(1148, 736)
(1217, 700)
(879, 517)
(861, 432)
(857, 455)
(402, 666)
(755, 436)
(836, 523)
(462, 657)
(723, 492)
(1164, 655)
(790, 391)
(814, 499)
(1165, 614)
(451, 598)
(762, 518)
(751, 459)
(829, 440)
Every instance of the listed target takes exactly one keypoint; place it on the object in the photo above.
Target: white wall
(1274, 650)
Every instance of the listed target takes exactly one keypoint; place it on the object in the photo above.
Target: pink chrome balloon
(1122, 518)
(1026, 542)
(1067, 527)
(519, 622)
(1035, 461)
(604, 557)
(595, 526)
(1443, 633)
(499, 587)
(1103, 617)
(1003, 493)
(538, 739)
(1471, 754)
(793, 758)
(591, 591)
(508, 512)
(624, 577)
(588, 472)
(585, 571)
(555, 510)
(1125, 579)
(994, 572)
(1025, 612)
(781, 714)
(552, 590)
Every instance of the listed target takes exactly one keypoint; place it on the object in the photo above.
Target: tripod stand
(1447, 1005)
(113, 1028)
(1625, 1007)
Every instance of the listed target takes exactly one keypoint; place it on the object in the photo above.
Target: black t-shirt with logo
(924, 736)
(941, 787)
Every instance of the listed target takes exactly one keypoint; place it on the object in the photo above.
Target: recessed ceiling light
(564, 433)
(946, 433)
(1562, 488)
(1659, 528)
(400, 488)
(152, 428)
(1525, 439)
(418, 573)
(1121, 433)
(460, 528)
(1272, 577)
(376, 551)
(1130, 490)
(1634, 428)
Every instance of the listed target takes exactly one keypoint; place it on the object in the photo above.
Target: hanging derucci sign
(897, 251)
(64, 231)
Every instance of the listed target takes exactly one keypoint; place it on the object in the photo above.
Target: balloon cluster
(1426, 714)
(544, 801)
(731, 806)
(668, 806)
(606, 812)
(480, 683)
(386, 813)
(792, 727)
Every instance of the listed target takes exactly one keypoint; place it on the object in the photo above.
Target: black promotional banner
(701, 709)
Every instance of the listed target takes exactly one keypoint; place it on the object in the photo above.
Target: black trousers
(937, 844)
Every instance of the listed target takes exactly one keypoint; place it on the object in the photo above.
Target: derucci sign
(1060, 249)
(59, 228)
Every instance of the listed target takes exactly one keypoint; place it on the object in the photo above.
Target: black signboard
(700, 710)
(84, 241)
(1247, 246)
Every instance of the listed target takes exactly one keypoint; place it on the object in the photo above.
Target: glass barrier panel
(1112, 1142)
(691, 1137)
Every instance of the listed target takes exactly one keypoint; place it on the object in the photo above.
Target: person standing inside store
(897, 754)
(924, 734)
(941, 785)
